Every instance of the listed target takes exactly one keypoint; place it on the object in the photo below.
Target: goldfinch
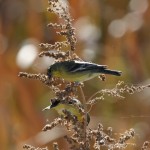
(78, 71)
(59, 106)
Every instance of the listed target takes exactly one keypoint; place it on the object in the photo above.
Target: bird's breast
(73, 110)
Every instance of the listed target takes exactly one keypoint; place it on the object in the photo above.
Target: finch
(78, 71)
(59, 106)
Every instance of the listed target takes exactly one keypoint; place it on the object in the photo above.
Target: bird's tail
(112, 72)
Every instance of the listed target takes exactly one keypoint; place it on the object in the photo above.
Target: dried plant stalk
(82, 137)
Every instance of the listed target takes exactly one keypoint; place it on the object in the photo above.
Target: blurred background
(111, 32)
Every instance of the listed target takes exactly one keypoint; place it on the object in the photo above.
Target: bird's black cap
(54, 103)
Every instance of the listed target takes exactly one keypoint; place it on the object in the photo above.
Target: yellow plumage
(78, 71)
(72, 109)
(82, 76)
(60, 106)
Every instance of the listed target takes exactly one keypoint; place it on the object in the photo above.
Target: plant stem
(85, 115)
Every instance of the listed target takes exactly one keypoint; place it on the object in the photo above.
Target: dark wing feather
(76, 66)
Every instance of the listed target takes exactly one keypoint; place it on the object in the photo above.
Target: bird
(78, 71)
(61, 105)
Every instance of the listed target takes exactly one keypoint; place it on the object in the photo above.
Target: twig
(85, 114)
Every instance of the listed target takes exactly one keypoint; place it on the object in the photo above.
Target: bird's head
(54, 103)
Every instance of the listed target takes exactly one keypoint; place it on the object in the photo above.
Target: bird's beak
(47, 108)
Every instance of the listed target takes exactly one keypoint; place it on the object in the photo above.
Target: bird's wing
(74, 101)
(76, 66)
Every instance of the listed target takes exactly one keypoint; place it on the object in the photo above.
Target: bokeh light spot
(26, 56)
(134, 21)
(87, 31)
(138, 5)
(117, 28)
